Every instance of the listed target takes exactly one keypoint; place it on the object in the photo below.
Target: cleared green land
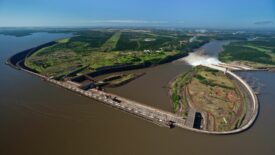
(111, 43)
(209, 91)
(106, 48)
(258, 54)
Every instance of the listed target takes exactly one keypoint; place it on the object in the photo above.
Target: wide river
(38, 118)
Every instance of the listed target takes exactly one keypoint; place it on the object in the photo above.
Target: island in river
(211, 95)
(74, 63)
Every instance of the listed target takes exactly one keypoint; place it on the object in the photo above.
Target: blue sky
(184, 13)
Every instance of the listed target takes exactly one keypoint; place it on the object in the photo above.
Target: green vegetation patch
(256, 53)
(177, 88)
(111, 43)
(108, 48)
(208, 76)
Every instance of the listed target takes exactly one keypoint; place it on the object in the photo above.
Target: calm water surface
(40, 118)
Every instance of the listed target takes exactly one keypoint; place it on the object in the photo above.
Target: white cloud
(267, 22)
(119, 21)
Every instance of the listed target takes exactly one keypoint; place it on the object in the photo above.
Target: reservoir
(39, 118)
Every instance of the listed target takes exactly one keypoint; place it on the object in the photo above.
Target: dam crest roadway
(152, 114)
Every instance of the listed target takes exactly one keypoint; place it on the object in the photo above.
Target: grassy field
(258, 53)
(111, 43)
(105, 48)
(211, 92)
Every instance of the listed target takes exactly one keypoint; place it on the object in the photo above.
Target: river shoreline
(18, 63)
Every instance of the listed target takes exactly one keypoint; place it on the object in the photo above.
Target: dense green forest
(258, 52)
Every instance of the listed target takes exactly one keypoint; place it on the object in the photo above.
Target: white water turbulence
(200, 58)
(207, 55)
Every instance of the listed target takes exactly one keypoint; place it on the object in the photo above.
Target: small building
(147, 51)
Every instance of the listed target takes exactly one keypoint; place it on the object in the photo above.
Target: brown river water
(38, 118)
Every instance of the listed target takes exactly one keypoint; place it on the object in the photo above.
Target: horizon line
(141, 26)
